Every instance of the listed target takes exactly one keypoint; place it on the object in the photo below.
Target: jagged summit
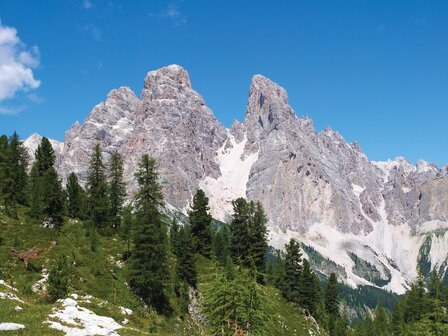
(314, 186)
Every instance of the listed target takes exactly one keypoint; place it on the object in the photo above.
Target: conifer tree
(221, 248)
(332, 296)
(332, 306)
(97, 191)
(174, 237)
(240, 242)
(280, 273)
(126, 228)
(148, 261)
(16, 177)
(75, 197)
(381, 322)
(293, 270)
(117, 189)
(58, 279)
(309, 289)
(200, 221)
(3, 162)
(44, 158)
(54, 198)
(233, 302)
(186, 265)
(258, 234)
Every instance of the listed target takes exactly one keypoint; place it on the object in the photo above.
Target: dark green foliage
(97, 191)
(233, 302)
(58, 280)
(239, 230)
(184, 299)
(148, 262)
(186, 265)
(200, 221)
(76, 197)
(221, 245)
(15, 175)
(293, 270)
(332, 296)
(46, 195)
(258, 233)
(117, 189)
(54, 197)
(174, 237)
(126, 227)
(248, 234)
(309, 289)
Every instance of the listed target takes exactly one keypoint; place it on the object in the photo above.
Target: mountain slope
(379, 221)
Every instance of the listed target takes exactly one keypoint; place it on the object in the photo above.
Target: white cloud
(11, 110)
(173, 12)
(87, 4)
(17, 62)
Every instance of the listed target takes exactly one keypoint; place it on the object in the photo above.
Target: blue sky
(376, 71)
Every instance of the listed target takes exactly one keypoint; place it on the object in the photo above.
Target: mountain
(374, 223)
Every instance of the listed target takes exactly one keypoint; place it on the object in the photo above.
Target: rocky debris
(32, 254)
(18, 308)
(41, 285)
(75, 320)
(8, 326)
(195, 307)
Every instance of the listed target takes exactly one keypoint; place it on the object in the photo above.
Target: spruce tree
(117, 189)
(186, 264)
(332, 296)
(58, 279)
(293, 270)
(148, 262)
(221, 248)
(126, 228)
(309, 289)
(75, 197)
(234, 302)
(200, 221)
(258, 234)
(44, 156)
(174, 237)
(240, 241)
(3, 163)
(16, 177)
(47, 196)
(97, 191)
(55, 197)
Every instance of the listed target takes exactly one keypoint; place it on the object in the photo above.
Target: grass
(96, 273)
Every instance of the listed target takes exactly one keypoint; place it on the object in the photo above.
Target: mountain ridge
(314, 185)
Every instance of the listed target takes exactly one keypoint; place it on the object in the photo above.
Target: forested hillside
(94, 260)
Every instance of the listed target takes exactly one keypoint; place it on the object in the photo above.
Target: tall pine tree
(309, 289)
(240, 240)
(75, 197)
(293, 270)
(97, 191)
(186, 264)
(117, 189)
(200, 221)
(15, 182)
(148, 262)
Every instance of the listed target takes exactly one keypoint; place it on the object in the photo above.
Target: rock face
(170, 122)
(314, 186)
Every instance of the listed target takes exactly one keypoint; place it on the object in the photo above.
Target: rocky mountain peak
(166, 83)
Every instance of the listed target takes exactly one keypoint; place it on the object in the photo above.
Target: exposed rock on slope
(314, 186)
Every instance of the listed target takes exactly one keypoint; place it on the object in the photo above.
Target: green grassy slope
(101, 274)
